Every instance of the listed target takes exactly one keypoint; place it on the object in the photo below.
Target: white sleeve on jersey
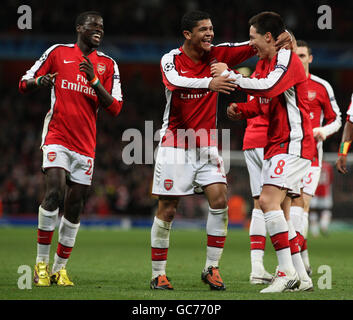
(116, 89)
(335, 125)
(272, 78)
(177, 80)
(31, 72)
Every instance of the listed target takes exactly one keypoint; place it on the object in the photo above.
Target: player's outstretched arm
(106, 100)
(222, 84)
(347, 137)
(34, 83)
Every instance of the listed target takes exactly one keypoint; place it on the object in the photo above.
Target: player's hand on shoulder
(341, 164)
(284, 40)
(233, 113)
(222, 84)
(218, 68)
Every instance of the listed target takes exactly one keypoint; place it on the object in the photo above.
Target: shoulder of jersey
(61, 45)
(172, 53)
(318, 80)
(101, 54)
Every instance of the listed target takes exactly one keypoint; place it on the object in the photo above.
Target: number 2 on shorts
(89, 171)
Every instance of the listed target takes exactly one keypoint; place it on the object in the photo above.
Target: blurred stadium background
(137, 34)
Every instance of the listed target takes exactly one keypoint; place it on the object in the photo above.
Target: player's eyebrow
(203, 28)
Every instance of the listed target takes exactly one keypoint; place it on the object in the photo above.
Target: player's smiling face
(202, 35)
(92, 31)
(259, 43)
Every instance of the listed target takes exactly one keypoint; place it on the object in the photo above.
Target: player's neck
(86, 50)
(271, 53)
(192, 52)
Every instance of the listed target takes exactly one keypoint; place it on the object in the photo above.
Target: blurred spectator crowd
(161, 18)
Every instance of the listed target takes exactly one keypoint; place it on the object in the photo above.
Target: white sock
(67, 237)
(325, 220)
(46, 226)
(296, 216)
(216, 228)
(305, 224)
(257, 233)
(314, 224)
(160, 232)
(277, 228)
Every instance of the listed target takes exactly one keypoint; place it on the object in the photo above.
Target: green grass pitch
(115, 265)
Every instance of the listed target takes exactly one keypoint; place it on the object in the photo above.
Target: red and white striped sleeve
(233, 53)
(173, 80)
(276, 82)
(41, 67)
(331, 110)
(113, 85)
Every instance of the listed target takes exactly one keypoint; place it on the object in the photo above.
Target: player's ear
(311, 58)
(268, 36)
(187, 34)
(78, 28)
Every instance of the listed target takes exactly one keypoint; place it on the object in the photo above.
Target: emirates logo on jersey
(168, 184)
(51, 156)
(101, 68)
(311, 95)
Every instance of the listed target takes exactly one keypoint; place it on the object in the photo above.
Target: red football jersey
(350, 111)
(283, 82)
(255, 135)
(191, 107)
(324, 111)
(324, 188)
(71, 120)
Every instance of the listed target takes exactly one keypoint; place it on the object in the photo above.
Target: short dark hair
(81, 18)
(190, 19)
(302, 43)
(268, 21)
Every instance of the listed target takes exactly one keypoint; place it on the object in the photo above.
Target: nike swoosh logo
(65, 61)
(64, 252)
(183, 71)
(274, 177)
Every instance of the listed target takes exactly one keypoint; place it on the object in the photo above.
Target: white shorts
(311, 180)
(180, 172)
(286, 171)
(254, 159)
(78, 166)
